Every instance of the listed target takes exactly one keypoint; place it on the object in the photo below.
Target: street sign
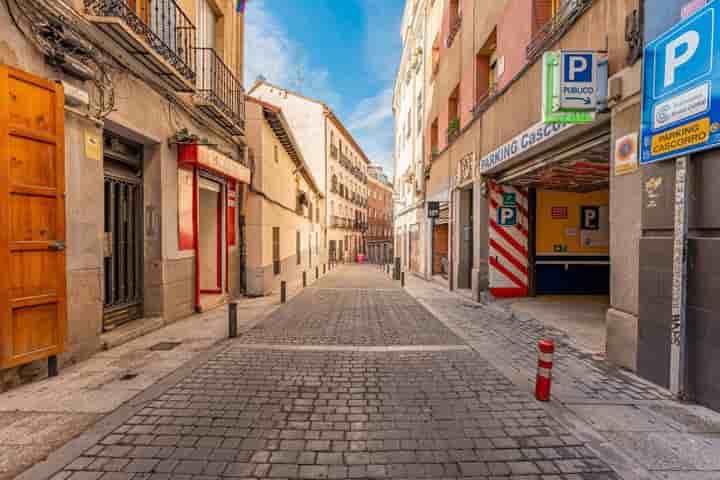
(681, 88)
(578, 81)
(551, 88)
(433, 209)
(507, 216)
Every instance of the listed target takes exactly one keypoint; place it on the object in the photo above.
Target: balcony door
(207, 30)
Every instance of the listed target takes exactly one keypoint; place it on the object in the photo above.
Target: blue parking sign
(681, 88)
(507, 216)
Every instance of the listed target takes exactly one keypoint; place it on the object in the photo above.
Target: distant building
(380, 216)
(337, 163)
(285, 206)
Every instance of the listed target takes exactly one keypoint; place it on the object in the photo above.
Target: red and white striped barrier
(546, 349)
(508, 255)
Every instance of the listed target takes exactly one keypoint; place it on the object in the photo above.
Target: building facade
(283, 225)
(533, 208)
(380, 216)
(126, 124)
(409, 99)
(336, 161)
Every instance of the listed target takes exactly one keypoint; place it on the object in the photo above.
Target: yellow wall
(552, 231)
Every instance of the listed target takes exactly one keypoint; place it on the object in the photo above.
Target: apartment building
(336, 161)
(409, 98)
(285, 206)
(122, 210)
(525, 206)
(380, 216)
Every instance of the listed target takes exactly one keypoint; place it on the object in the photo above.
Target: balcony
(162, 39)
(554, 29)
(334, 151)
(219, 93)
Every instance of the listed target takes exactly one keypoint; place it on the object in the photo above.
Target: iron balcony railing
(163, 26)
(556, 27)
(217, 86)
(454, 29)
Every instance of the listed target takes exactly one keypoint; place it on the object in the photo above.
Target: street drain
(128, 376)
(164, 346)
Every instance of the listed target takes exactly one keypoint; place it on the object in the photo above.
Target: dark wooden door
(32, 218)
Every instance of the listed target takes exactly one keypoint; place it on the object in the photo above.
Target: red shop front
(210, 189)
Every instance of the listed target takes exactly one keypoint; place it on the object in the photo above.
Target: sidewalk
(38, 418)
(632, 424)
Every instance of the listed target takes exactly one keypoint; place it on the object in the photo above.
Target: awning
(195, 155)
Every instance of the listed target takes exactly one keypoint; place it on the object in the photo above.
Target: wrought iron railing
(556, 27)
(164, 27)
(454, 29)
(217, 85)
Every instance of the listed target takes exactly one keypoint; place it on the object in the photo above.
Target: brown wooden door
(32, 218)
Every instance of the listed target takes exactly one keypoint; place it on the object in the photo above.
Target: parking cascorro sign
(681, 88)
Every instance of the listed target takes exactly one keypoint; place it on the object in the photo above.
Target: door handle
(57, 246)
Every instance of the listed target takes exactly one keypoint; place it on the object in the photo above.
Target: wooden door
(32, 218)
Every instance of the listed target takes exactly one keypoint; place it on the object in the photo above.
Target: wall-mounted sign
(204, 156)
(559, 213)
(626, 149)
(507, 216)
(578, 81)
(509, 199)
(465, 169)
(680, 81)
(691, 7)
(433, 209)
(590, 218)
(523, 142)
(93, 146)
(552, 110)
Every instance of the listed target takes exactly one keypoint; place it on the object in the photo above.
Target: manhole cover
(164, 346)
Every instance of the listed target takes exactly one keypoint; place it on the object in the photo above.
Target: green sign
(551, 111)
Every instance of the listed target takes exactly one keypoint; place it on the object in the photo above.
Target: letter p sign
(678, 52)
(685, 55)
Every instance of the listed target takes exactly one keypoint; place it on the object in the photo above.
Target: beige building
(141, 124)
(336, 161)
(285, 206)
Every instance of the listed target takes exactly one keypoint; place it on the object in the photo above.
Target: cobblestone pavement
(343, 316)
(512, 340)
(257, 411)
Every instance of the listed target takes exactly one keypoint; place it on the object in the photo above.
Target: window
(276, 250)
(317, 214)
(434, 137)
(298, 248)
(317, 243)
(277, 157)
(408, 124)
(419, 112)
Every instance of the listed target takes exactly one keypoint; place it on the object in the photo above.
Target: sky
(342, 52)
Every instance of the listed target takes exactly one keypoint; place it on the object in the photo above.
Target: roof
(280, 127)
(328, 112)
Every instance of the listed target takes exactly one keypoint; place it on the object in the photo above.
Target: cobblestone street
(343, 382)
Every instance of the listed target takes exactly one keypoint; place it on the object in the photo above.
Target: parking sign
(578, 82)
(681, 88)
(507, 216)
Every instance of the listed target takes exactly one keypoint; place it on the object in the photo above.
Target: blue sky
(343, 52)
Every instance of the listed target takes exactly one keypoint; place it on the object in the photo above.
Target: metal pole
(402, 279)
(317, 273)
(396, 275)
(52, 366)
(304, 278)
(232, 320)
(324, 266)
(678, 331)
(283, 291)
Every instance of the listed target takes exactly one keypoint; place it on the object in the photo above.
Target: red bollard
(546, 349)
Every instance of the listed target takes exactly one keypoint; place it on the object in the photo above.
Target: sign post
(678, 343)
(681, 115)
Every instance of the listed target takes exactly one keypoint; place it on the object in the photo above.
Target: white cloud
(372, 125)
(270, 52)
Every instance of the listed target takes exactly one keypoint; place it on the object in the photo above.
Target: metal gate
(123, 279)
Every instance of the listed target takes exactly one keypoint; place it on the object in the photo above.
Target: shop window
(276, 250)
